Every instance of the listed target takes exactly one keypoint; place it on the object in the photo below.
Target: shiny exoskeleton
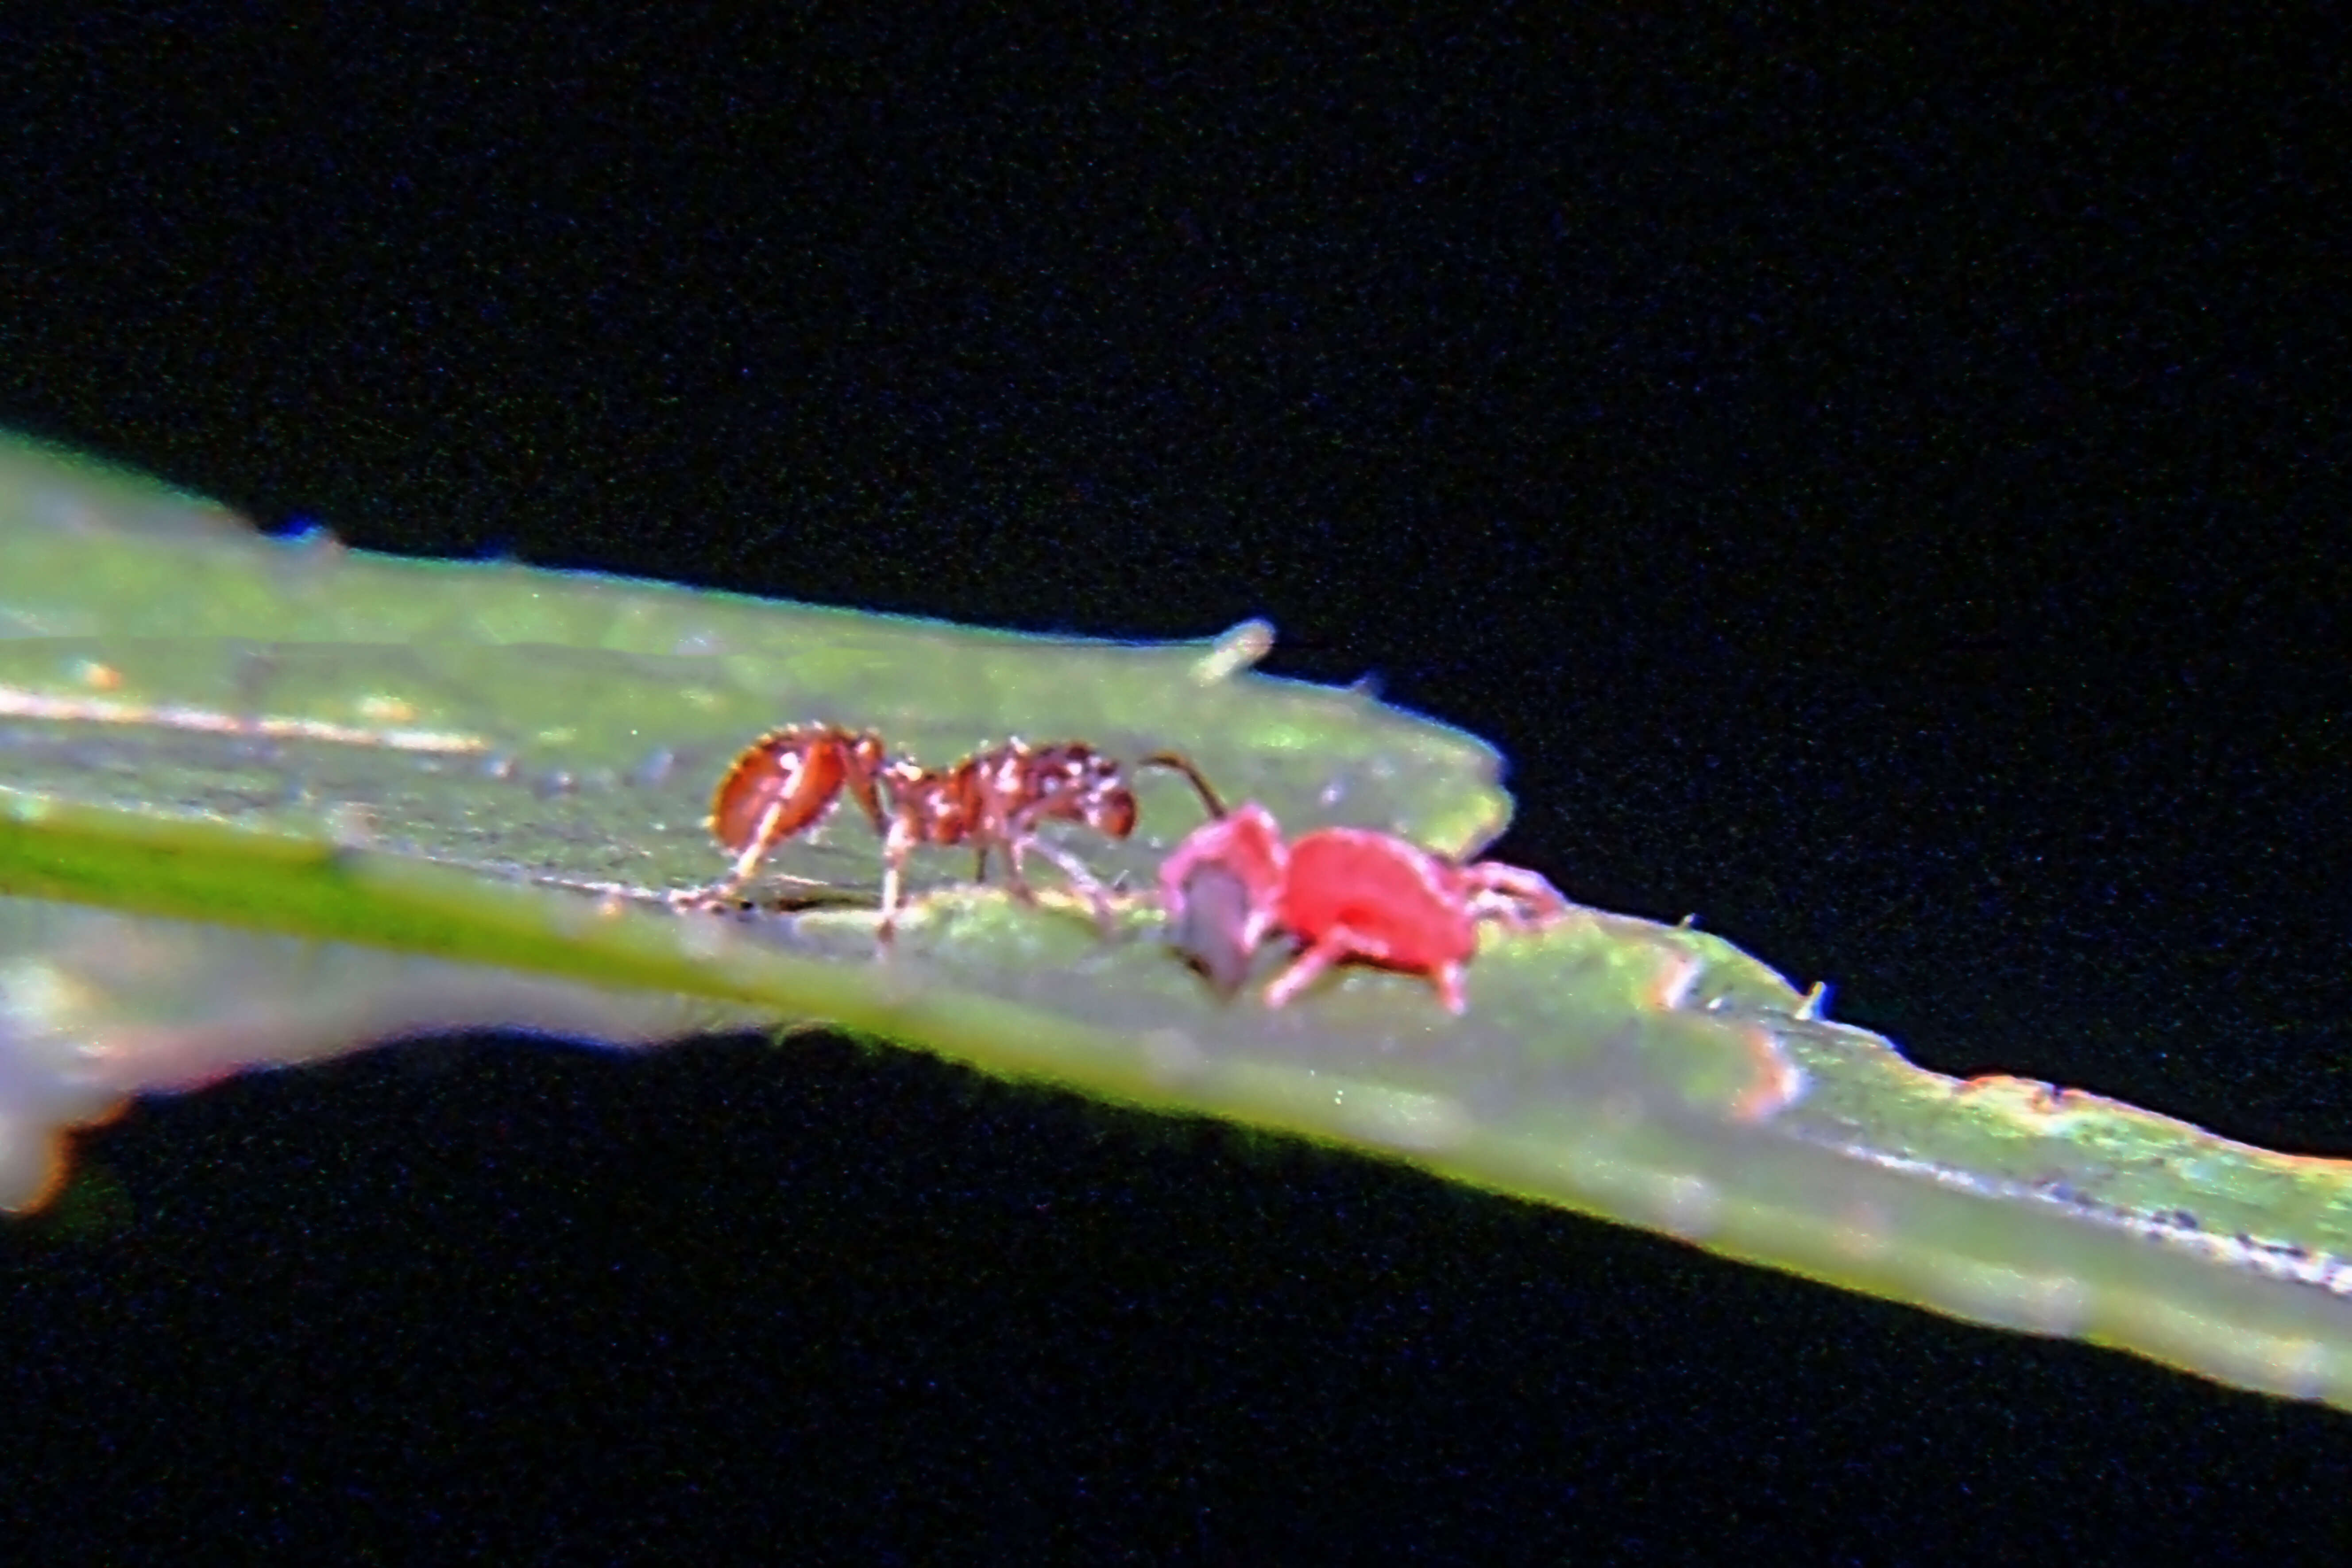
(996, 798)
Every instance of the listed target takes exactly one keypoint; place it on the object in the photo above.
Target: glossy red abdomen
(775, 788)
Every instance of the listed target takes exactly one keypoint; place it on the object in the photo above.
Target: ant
(788, 779)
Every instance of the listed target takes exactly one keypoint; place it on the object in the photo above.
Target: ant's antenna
(1171, 761)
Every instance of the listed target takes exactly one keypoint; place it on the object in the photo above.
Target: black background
(1881, 486)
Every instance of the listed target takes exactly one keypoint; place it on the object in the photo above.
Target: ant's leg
(894, 866)
(716, 894)
(763, 838)
(1015, 881)
(1080, 878)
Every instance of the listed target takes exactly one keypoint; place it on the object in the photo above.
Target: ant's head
(1084, 786)
(1110, 810)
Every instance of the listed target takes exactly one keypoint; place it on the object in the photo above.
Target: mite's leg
(1334, 946)
(1341, 943)
(1447, 978)
(1516, 896)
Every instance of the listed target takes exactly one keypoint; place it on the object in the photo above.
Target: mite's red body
(1344, 893)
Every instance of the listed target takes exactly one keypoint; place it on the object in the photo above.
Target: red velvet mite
(1345, 893)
